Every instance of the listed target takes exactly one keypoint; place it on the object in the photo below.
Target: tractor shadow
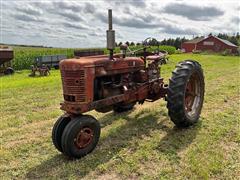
(142, 124)
(176, 140)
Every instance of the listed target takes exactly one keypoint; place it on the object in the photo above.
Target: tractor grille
(74, 85)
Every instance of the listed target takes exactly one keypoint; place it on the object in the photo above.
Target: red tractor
(117, 82)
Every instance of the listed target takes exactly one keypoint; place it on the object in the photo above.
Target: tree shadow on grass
(110, 145)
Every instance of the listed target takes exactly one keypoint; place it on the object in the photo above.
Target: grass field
(140, 144)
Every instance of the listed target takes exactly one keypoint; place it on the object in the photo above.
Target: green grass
(140, 144)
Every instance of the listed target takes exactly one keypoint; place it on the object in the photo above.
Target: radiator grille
(79, 73)
(74, 85)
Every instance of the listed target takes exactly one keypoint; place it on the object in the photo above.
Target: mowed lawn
(140, 144)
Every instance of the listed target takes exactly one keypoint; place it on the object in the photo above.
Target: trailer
(51, 61)
(88, 52)
(6, 56)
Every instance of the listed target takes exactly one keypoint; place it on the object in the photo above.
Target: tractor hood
(102, 63)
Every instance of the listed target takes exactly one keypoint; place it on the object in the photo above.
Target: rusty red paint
(191, 93)
(84, 138)
(79, 75)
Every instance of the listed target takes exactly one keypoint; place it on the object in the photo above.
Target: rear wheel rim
(84, 138)
(193, 95)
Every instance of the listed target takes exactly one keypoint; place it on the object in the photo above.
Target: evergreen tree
(233, 40)
(164, 42)
(177, 43)
(237, 35)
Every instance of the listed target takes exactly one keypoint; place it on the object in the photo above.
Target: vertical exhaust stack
(110, 35)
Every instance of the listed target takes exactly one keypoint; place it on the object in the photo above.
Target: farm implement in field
(42, 70)
(51, 61)
(6, 56)
(43, 64)
(117, 82)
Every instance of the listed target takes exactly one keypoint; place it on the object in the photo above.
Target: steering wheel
(145, 46)
(144, 43)
(149, 39)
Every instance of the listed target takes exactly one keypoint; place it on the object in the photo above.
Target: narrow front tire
(58, 129)
(80, 136)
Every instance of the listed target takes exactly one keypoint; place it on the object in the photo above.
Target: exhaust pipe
(110, 35)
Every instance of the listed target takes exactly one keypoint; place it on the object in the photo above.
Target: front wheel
(186, 93)
(80, 136)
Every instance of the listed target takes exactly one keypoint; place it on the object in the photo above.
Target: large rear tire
(186, 93)
(80, 136)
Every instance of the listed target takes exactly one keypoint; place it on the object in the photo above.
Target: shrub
(169, 49)
(227, 52)
(207, 52)
(196, 51)
(178, 51)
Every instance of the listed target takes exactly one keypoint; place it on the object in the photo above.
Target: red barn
(211, 43)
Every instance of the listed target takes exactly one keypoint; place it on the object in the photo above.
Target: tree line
(153, 42)
(176, 42)
(235, 38)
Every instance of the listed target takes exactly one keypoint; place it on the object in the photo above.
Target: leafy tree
(132, 44)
